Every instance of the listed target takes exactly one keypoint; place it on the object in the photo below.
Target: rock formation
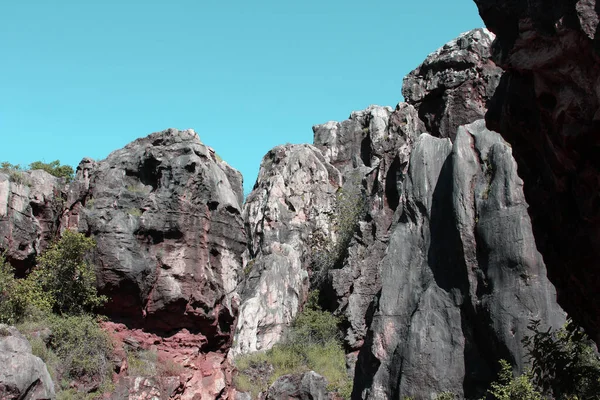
(461, 277)
(288, 209)
(31, 205)
(22, 375)
(547, 106)
(166, 216)
(453, 85)
(440, 272)
(421, 241)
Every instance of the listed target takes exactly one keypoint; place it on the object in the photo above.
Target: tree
(64, 273)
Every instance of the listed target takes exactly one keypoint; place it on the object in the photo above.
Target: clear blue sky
(85, 77)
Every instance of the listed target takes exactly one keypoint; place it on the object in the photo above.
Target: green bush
(20, 298)
(312, 344)
(62, 280)
(350, 208)
(65, 275)
(565, 364)
(509, 388)
(313, 325)
(82, 346)
(74, 347)
(142, 363)
(53, 168)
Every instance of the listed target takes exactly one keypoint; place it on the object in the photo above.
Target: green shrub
(565, 365)
(54, 168)
(20, 298)
(142, 363)
(75, 347)
(6, 167)
(509, 388)
(64, 274)
(350, 208)
(62, 280)
(82, 346)
(313, 325)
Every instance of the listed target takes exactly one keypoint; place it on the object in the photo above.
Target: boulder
(22, 375)
(166, 215)
(307, 386)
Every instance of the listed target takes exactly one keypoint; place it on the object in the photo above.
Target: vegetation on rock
(53, 307)
(313, 343)
(350, 208)
(54, 168)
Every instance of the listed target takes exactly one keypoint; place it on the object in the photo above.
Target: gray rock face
(31, 204)
(290, 206)
(166, 215)
(22, 375)
(308, 386)
(461, 277)
(372, 149)
(547, 107)
(453, 85)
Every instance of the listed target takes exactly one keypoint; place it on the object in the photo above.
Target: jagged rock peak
(452, 86)
(291, 205)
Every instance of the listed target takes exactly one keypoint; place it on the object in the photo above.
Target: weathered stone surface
(547, 106)
(308, 386)
(166, 215)
(22, 375)
(372, 148)
(291, 203)
(31, 203)
(454, 83)
(461, 277)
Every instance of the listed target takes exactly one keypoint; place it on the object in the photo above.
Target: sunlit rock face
(461, 277)
(454, 84)
(31, 205)
(440, 275)
(291, 205)
(165, 212)
(546, 107)
(372, 149)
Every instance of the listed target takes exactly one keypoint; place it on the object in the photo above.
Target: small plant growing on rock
(350, 208)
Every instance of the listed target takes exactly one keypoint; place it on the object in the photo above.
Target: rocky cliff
(166, 214)
(411, 221)
(439, 274)
(547, 106)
